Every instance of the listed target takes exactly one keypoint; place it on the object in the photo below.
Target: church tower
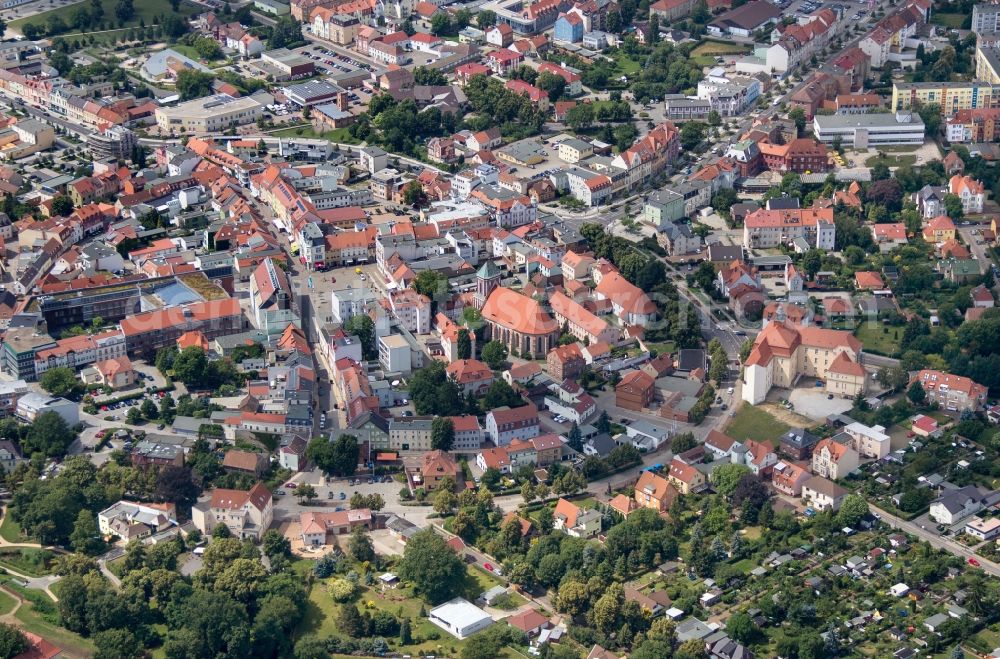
(487, 279)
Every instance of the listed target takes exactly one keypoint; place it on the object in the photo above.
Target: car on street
(291, 486)
(973, 562)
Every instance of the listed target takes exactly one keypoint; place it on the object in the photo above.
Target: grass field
(322, 613)
(10, 530)
(38, 615)
(341, 135)
(892, 160)
(6, 603)
(947, 20)
(626, 64)
(875, 339)
(146, 11)
(756, 424)
(27, 560)
(716, 48)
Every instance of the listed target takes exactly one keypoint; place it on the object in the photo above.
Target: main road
(936, 541)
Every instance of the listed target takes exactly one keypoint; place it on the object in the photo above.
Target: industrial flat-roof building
(460, 618)
(210, 114)
(864, 130)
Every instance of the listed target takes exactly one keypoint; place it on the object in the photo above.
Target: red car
(291, 486)
(488, 567)
(973, 562)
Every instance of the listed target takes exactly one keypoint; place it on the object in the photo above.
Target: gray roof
(692, 628)
(867, 120)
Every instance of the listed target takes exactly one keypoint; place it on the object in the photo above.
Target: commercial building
(312, 93)
(744, 20)
(869, 130)
(157, 329)
(289, 64)
(211, 114)
(30, 405)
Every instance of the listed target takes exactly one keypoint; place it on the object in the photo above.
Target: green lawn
(190, 51)
(892, 160)
(38, 615)
(947, 20)
(27, 560)
(146, 11)
(756, 424)
(6, 603)
(626, 64)
(879, 339)
(10, 530)
(709, 47)
(341, 135)
(322, 613)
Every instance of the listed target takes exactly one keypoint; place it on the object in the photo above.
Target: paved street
(936, 541)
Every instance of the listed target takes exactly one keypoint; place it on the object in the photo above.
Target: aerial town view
(500, 329)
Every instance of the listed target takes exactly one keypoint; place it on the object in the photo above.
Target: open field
(38, 615)
(27, 560)
(716, 48)
(10, 530)
(756, 424)
(891, 160)
(341, 135)
(146, 13)
(947, 20)
(876, 338)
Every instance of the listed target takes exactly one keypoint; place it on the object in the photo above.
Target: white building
(869, 130)
(394, 354)
(868, 441)
(30, 405)
(350, 302)
(460, 618)
(210, 114)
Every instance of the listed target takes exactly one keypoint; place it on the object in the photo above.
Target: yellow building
(951, 96)
(988, 65)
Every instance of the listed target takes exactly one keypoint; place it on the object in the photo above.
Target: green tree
(190, 366)
(442, 434)
(434, 569)
(464, 344)
(853, 510)
(12, 641)
(192, 83)
(501, 394)
(363, 327)
(553, 84)
(413, 193)
(953, 206)
(683, 442)
(360, 546)
(117, 644)
(434, 393)
(916, 393)
(726, 477)
(575, 438)
(62, 206)
(338, 458)
(798, 115)
(49, 434)
(431, 283)
(61, 381)
(741, 628)
(86, 537)
(486, 19)
(149, 409)
(133, 416)
(441, 24)
(286, 33)
(494, 354)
